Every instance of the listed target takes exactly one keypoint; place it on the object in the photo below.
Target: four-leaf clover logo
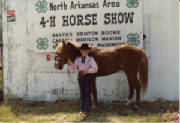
(132, 3)
(41, 6)
(42, 43)
(133, 39)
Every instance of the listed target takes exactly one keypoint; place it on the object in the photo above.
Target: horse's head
(64, 51)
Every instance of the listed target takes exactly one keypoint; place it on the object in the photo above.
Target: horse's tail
(143, 71)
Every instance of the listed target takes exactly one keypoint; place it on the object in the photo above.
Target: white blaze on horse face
(59, 48)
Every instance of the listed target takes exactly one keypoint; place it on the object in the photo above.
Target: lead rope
(68, 70)
(70, 75)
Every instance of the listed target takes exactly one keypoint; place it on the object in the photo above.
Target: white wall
(0, 20)
(163, 48)
(22, 78)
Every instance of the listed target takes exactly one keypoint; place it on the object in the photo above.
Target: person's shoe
(80, 112)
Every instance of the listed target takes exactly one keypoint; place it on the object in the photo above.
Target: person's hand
(85, 73)
(69, 62)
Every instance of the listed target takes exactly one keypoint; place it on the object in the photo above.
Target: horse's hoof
(129, 102)
(136, 106)
(94, 106)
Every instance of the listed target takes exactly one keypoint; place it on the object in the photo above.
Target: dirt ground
(1, 94)
(67, 111)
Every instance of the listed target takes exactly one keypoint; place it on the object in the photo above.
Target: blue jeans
(85, 92)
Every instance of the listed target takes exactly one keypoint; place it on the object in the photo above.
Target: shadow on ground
(146, 110)
(103, 113)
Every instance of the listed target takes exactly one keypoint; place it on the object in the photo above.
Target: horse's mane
(76, 45)
(93, 48)
(68, 42)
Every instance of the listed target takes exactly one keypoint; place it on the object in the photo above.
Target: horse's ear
(64, 43)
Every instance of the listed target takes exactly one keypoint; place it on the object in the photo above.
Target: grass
(1, 84)
(67, 111)
(1, 87)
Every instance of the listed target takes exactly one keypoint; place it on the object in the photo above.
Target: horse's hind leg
(133, 84)
(131, 88)
(131, 92)
(137, 87)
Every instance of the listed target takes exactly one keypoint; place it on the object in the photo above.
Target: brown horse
(126, 57)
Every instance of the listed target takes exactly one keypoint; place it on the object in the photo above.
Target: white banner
(102, 23)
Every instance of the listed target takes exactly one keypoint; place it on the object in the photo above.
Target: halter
(57, 58)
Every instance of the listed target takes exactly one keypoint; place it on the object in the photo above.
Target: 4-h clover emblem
(42, 43)
(132, 3)
(41, 6)
(133, 39)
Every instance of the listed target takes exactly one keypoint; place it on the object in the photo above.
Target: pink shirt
(89, 65)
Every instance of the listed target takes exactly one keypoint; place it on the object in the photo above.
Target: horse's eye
(57, 58)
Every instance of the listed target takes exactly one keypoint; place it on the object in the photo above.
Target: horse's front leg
(94, 91)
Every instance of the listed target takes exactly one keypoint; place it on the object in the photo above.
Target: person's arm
(93, 66)
(73, 66)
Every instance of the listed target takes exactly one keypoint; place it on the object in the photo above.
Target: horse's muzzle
(58, 66)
